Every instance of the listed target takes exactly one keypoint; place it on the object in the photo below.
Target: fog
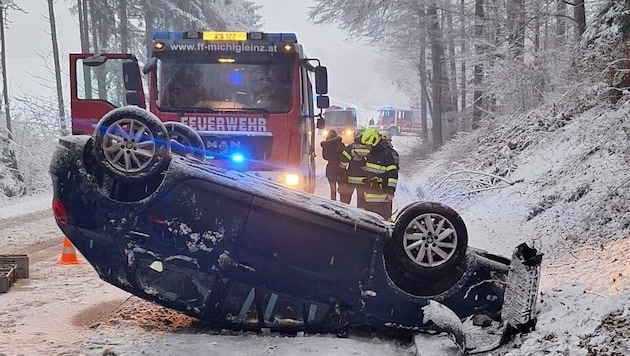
(353, 77)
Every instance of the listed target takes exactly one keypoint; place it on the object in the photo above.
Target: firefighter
(352, 164)
(387, 137)
(381, 174)
(332, 149)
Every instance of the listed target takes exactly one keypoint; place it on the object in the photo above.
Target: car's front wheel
(131, 144)
(426, 254)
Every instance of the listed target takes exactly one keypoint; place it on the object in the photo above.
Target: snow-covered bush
(35, 134)
(607, 48)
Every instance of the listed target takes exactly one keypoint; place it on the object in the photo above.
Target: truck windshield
(386, 113)
(339, 118)
(211, 86)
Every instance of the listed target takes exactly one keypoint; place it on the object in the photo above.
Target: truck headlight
(292, 179)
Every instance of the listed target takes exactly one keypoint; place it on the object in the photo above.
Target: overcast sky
(351, 64)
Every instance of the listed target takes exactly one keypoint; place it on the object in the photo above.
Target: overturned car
(243, 252)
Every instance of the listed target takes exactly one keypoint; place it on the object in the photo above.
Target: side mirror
(323, 102)
(321, 123)
(321, 80)
(94, 60)
(150, 65)
(131, 75)
(134, 98)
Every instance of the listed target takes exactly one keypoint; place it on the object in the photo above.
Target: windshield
(194, 86)
(386, 113)
(340, 118)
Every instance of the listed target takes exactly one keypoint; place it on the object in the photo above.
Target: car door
(100, 83)
(303, 253)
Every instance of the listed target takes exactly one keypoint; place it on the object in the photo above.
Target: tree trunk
(478, 70)
(84, 25)
(85, 44)
(464, 50)
(124, 31)
(561, 24)
(451, 55)
(579, 14)
(149, 23)
(537, 31)
(422, 73)
(518, 34)
(3, 63)
(437, 81)
(100, 74)
(12, 185)
(496, 38)
(55, 48)
(92, 24)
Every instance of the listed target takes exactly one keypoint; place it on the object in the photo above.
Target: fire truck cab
(341, 119)
(248, 95)
(400, 121)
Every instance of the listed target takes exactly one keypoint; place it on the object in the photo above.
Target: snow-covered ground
(569, 197)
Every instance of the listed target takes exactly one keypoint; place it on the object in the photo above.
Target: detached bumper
(518, 314)
(521, 290)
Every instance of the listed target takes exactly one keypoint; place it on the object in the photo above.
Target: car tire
(131, 144)
(190, 140)
(438, 265)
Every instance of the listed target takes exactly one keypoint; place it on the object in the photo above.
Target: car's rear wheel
(131, 144)
(426, 254)
(190, 141)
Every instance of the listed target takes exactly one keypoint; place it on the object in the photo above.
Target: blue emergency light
(274, 37)
(168, 35)
(289, 37)
(238, 157)
(236, 78)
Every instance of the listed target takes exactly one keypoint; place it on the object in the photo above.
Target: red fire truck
(342, 120)
(400, 121)
(248, 95)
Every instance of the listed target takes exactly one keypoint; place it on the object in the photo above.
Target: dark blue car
(243, 252)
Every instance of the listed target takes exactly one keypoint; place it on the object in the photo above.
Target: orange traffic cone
(68, 254)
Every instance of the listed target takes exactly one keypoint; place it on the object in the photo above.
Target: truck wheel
(190, 143)
(426, 254)
(131, 144)
(393, 131)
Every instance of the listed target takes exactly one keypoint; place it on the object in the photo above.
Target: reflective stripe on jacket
(353, 159)
(375, 198)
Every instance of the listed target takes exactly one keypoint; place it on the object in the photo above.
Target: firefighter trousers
(345, 194)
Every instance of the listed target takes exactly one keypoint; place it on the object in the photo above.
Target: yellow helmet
(385, 135)
(370, 137)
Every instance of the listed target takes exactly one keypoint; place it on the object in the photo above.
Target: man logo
(222, 146)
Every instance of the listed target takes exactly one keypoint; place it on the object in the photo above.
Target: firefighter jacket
(394, 153)
(381, 174)
(353, 160)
